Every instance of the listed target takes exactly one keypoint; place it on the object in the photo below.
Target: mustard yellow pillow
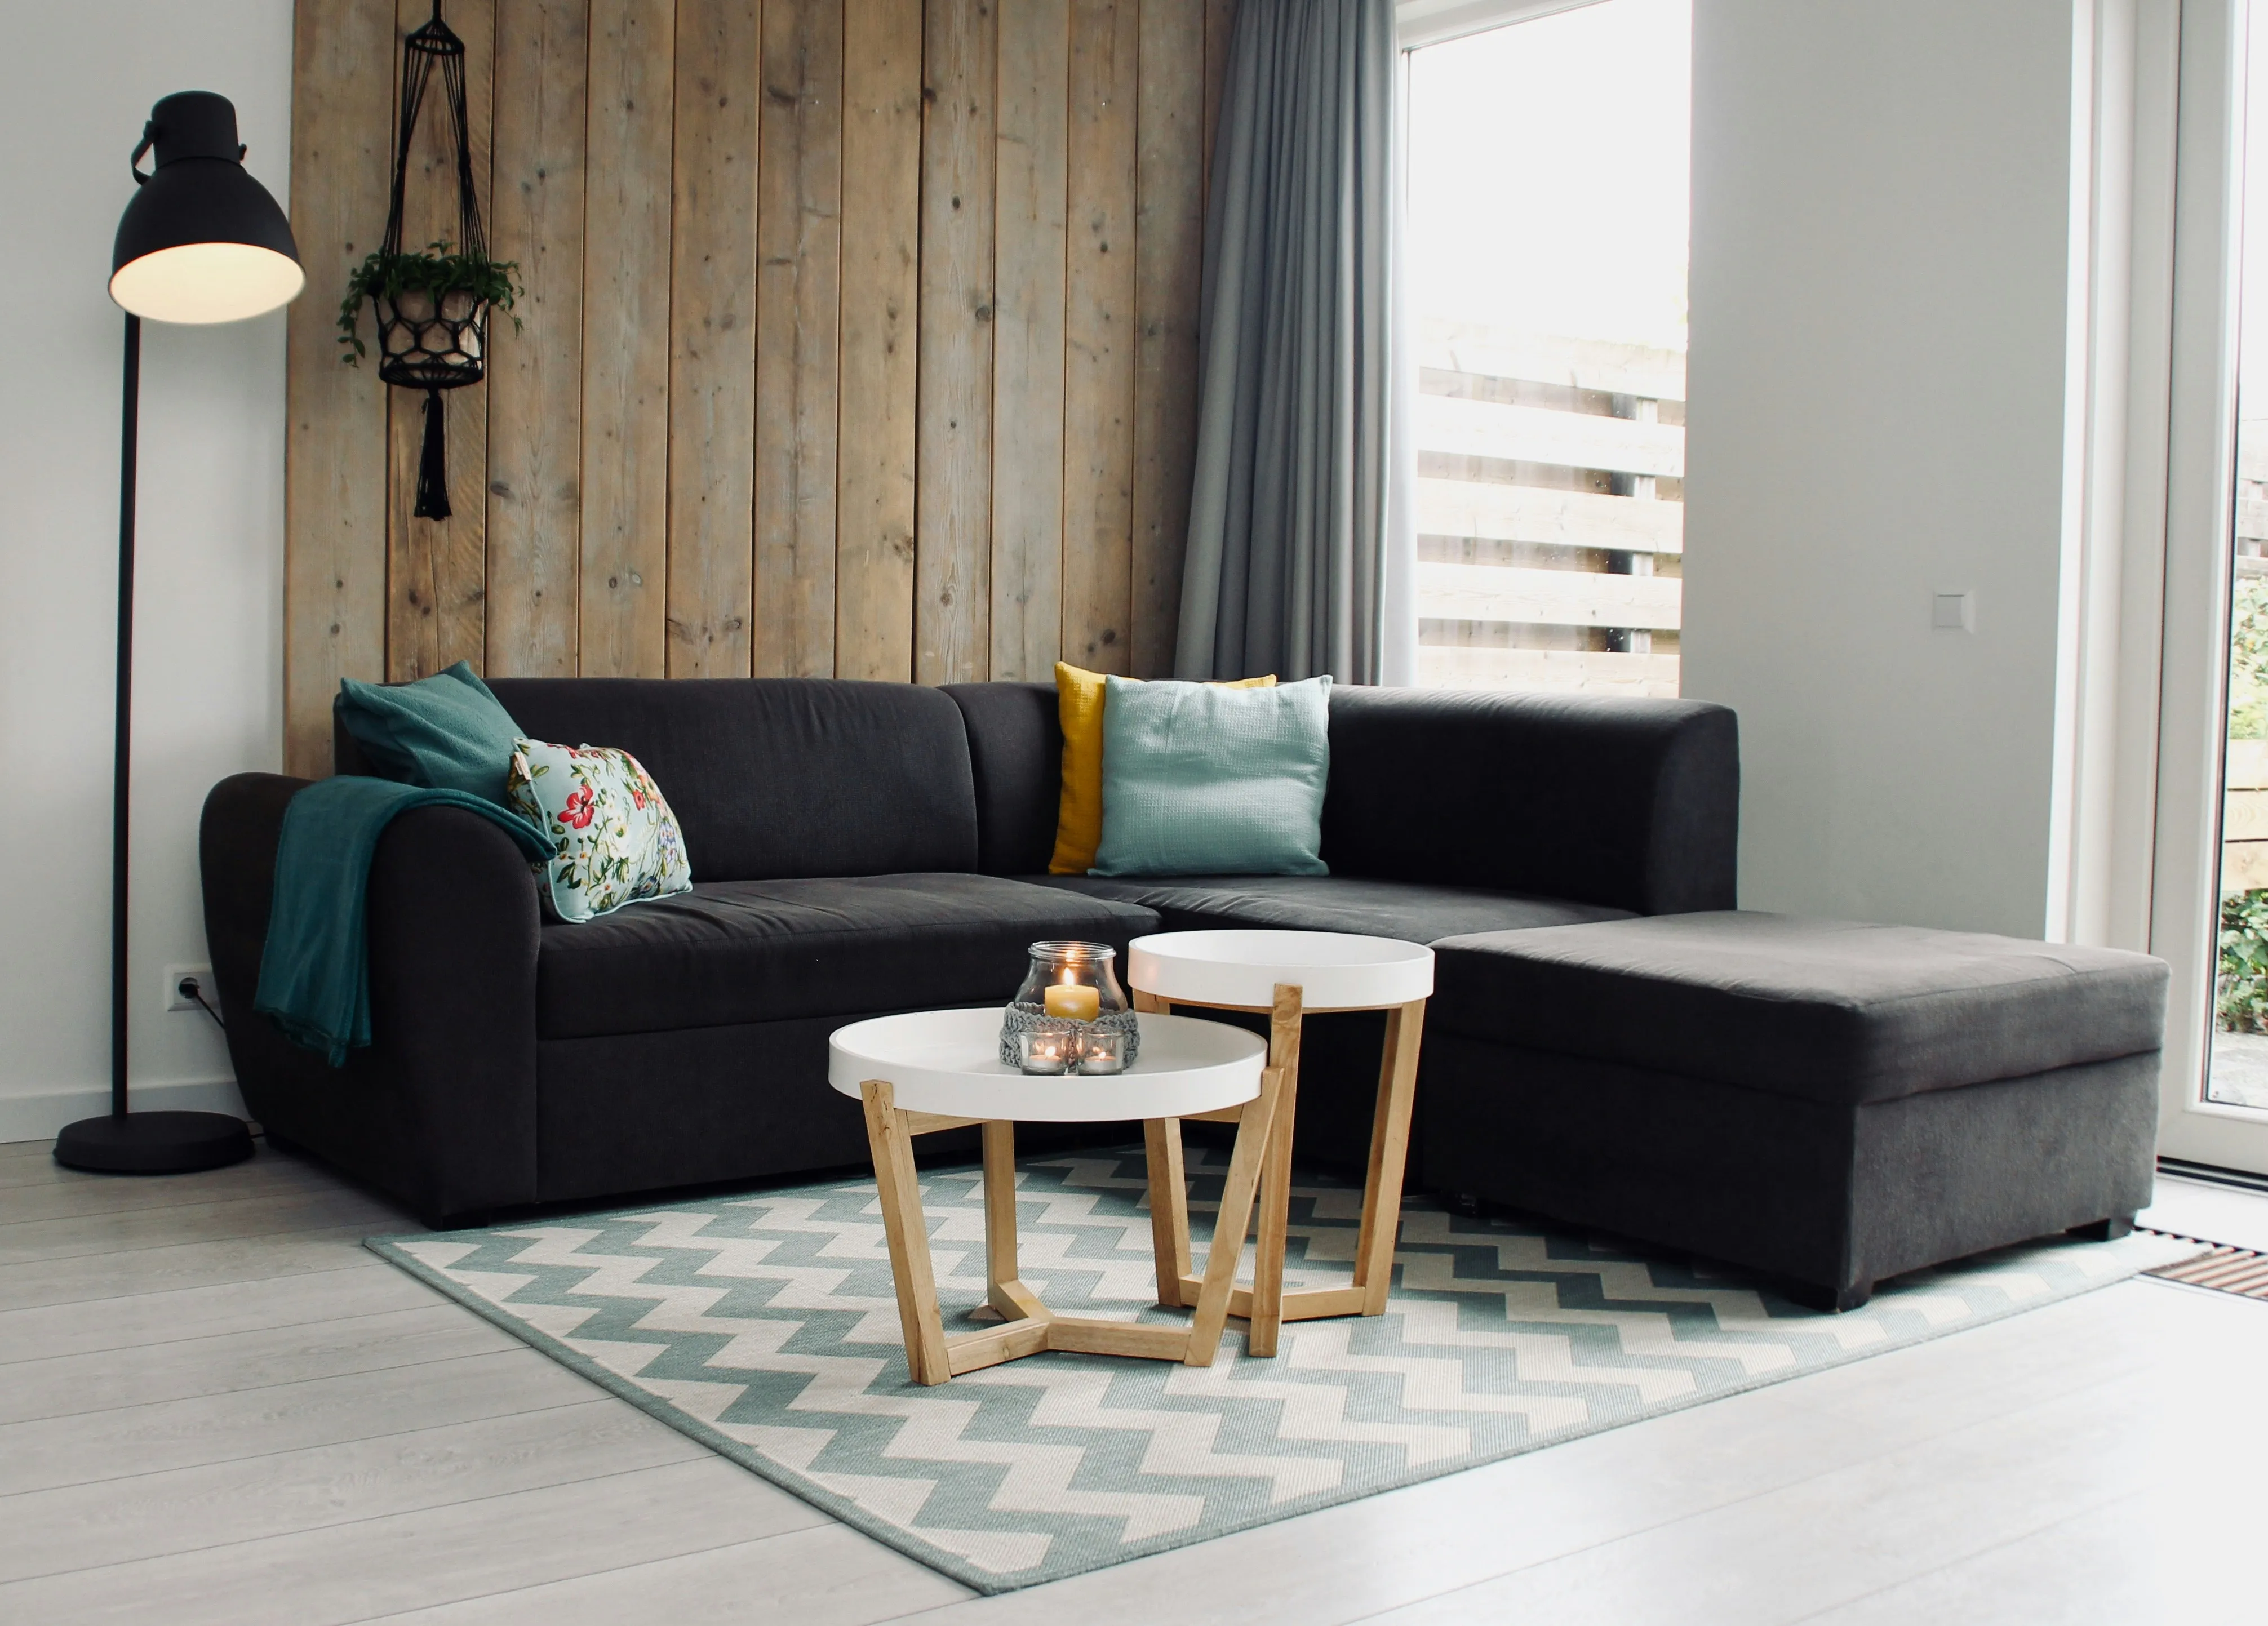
(1079, 820)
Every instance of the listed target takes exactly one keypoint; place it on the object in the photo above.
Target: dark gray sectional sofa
(865, 847)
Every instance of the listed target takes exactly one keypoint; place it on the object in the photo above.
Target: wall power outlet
(176, 1000)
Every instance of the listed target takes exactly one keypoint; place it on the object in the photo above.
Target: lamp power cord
(192, 988)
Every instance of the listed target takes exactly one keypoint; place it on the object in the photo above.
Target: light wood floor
(215, 1406)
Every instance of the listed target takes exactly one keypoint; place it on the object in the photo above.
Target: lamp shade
(201, 242)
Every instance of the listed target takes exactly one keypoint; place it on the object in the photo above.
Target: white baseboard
(41, 1116)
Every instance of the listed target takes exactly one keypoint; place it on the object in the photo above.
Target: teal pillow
(1202, 780)
(446, 732)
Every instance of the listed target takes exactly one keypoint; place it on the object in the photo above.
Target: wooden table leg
(1235, 1218)
(1005, 1289)
(1265, 1303)
(1169, 1208)
(907, 1231)
(1389, 1155)
(1169, 1190)
(1267, 1320)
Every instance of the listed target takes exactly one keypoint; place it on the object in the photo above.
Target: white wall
(80, 79)
(1881, 233)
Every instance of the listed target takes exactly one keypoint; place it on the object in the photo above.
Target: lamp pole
(122, 775)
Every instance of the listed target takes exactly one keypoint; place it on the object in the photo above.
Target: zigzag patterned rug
(765, 1325)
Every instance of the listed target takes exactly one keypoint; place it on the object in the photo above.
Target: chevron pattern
(766, 1326)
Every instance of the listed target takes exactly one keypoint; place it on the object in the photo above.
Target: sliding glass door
(2211, 893)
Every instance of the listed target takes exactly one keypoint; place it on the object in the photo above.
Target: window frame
(1421, 23)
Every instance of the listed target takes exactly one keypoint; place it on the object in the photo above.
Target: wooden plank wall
(859, 340)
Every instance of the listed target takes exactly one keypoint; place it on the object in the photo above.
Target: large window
(1548, 202)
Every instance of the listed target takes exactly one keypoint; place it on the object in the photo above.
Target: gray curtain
(1285, 569)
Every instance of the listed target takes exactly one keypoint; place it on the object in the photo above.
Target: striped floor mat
(2226, 1270)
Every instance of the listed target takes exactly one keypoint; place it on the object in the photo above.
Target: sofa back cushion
(1633, 803)
(1624, 803)
(777, 777)
(1015, 748)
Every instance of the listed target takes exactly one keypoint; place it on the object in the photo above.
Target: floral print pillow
(617, 841)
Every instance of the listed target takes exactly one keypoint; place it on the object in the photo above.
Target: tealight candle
(1103, 1051)
(1073, 1002)
(1046, 1052)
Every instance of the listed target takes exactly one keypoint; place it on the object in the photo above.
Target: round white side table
(1288, 975)
(940, 1069)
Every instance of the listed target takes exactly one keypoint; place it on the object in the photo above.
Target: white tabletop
(948, 1061)
(1334, 970)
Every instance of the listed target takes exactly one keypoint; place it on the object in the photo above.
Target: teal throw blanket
(314, 974)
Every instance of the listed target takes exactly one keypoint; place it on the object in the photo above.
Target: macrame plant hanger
(426, 341)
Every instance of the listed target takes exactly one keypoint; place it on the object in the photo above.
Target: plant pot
(424, 342)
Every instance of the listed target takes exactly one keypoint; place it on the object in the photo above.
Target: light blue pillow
(1202, 780)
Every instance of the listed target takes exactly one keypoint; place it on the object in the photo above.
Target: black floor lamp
(201, 242)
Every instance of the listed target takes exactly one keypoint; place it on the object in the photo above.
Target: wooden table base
(1264, 1304)
(1031, 1327)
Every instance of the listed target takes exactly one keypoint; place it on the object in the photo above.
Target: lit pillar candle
(1073, 1002)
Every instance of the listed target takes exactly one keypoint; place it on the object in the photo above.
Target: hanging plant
(411, 289)
(431, 307)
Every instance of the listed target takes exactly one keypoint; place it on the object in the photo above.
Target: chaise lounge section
(1830, 1102)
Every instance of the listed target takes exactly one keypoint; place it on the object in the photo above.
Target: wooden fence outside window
(1551, 511)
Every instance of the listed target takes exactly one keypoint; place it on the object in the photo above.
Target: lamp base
(153, 1143)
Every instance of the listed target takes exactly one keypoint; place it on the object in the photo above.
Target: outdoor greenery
(2241, 990)
(2240, 987)
(2248, 660)
(436, 271)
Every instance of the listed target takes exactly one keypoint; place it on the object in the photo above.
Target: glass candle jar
(1104, 1050)
(1070, 999)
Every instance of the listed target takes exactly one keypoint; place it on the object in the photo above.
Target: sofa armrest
(1632, 804)
(441, 1109)
(237, 837)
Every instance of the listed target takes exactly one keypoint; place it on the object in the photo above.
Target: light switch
(1955, 612)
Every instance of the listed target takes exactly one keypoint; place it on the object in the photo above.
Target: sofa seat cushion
(1828, 1009)
(781, 777)
(765, 950)
(1415, 911)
